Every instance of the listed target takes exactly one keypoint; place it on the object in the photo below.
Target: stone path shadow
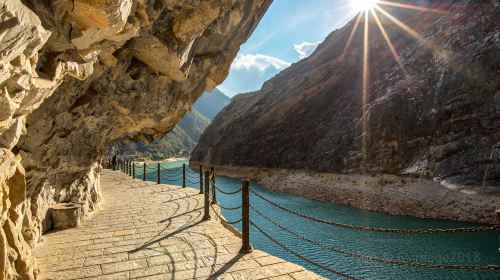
(143, 230)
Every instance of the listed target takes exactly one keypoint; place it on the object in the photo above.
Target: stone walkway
(149, 231)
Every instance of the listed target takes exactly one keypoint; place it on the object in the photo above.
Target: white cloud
(305, 49)
(259, 62)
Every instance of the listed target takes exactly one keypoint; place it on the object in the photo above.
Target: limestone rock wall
(437, 118)
(79, 74)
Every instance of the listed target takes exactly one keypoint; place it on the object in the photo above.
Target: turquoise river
(457, 248)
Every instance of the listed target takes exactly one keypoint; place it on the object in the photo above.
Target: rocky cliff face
(440, 117)
(79, 74)
(182, 139)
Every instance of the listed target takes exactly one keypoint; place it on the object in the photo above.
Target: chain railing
(370, 258)
(209, 188)
(371, 229)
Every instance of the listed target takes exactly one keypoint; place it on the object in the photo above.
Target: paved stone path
(149, 231)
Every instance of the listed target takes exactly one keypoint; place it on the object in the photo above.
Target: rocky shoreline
(389, 194)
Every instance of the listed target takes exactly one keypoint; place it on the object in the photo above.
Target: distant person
(113, 162)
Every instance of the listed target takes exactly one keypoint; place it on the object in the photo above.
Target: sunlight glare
(364, 5)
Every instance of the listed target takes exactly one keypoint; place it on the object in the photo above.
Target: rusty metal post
(201, 179)
(183, 175)
(245, 217)
(144, 169)
(214, 191)
(158, 178)
(133, 170)
(207, 196)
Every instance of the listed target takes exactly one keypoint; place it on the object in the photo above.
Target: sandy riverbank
(386, 193)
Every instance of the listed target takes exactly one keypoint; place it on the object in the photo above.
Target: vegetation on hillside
(182, 139)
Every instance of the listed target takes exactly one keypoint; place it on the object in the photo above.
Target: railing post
(158, 178)
(144, 173)
(498, 218)
(183, 175)
(245, 217)
(201, 179)
(214, 191)
(133, 170)
(207, 198)
(129, 168)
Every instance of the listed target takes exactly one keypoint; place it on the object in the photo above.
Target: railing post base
(247, 250)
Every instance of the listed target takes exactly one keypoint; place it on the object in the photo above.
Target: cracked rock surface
(439, 117)
(79, 74)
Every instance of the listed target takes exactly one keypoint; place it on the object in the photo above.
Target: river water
(457, 248)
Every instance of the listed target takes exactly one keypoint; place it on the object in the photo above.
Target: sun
(364, 5)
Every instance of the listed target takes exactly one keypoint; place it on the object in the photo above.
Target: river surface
(457, 248)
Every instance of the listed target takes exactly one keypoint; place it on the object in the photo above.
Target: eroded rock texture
(79, 74)
(440, 119)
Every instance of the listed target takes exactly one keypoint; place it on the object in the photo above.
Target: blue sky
(289, 31)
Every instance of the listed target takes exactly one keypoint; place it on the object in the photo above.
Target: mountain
(181, 140)
(209, 105)
(436, 114)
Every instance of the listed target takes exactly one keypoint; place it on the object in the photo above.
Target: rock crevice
(79, 74)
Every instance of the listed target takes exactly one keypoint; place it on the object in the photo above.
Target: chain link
(224, 192)
(370, 229)
(172, 179)
(376, 259)
(191, 172)
(222, 219)
(230, 208)
(342, 274)
(191, 176)
(189, 181)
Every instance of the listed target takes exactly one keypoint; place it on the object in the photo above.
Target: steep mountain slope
(181, 140)
(440, 117)
(210, 104)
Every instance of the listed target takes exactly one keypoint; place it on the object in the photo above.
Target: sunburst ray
(409, 6)
(389, 43)
(405, 27)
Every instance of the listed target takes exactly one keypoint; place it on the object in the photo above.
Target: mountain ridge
(439, 122)
(183, 137)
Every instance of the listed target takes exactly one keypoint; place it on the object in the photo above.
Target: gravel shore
(390, 194)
